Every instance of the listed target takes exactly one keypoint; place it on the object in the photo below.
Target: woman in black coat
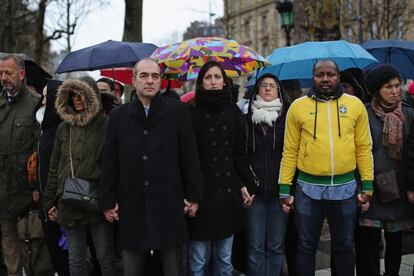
(390, 121)
(266, 221)
(49, 120)
(218, 126)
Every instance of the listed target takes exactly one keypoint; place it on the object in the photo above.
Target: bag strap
(70, 151)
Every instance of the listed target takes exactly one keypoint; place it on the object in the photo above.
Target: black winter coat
(397, 210)
(225, 167)
(150, 166)
(265, 147)
(50, 123)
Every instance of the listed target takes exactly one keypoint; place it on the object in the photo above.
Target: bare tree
(39, 32)
(319, 20)
(64, 16)
(133, 21)
(16, 21)
(387, 19)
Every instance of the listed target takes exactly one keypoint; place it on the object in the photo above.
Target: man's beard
(328, 92)
(10, 89)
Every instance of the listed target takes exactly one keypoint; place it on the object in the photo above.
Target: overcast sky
(164, 21)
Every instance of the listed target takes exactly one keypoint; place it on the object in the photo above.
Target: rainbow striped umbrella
(183, 60)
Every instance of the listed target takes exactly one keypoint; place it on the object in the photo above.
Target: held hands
(52, 213)
(112, 215)
(36, 196)
(287, 204)
(247, 198)
(410, 196)
(363, 201)
(190, 208)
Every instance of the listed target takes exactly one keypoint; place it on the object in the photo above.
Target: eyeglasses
(270, 85)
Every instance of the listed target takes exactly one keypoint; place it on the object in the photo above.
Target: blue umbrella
(303, 82)
(108, 54)
(296, 62)
(399, 53)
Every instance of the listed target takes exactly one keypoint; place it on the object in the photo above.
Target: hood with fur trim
(64, 105)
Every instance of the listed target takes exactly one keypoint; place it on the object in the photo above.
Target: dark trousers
(102, 235)
(58, 256)
(291, 244)
(171, 258)
(367, 249)
(310, 215)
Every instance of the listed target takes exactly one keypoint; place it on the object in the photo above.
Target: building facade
(201, 28)
(256, 23)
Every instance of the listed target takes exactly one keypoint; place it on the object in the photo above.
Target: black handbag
(78, 192)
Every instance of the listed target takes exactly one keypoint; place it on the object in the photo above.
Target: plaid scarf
(392, 132)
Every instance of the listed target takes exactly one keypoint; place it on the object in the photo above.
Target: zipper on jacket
(265, 159)
(38, 176)
(331, 142)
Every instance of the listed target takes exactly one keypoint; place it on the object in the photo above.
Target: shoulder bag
(78, 192)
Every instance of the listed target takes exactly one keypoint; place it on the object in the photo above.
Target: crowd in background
(208, 187)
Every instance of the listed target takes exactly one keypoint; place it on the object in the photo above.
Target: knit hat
(411, 88)
(379, 75)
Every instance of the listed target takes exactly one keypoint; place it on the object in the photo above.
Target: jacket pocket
(23, 129)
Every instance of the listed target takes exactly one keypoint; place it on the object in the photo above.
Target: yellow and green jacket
(326, 140)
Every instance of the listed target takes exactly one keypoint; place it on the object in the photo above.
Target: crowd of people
(203, 188)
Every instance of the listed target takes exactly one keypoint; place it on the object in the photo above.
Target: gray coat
(398, 210)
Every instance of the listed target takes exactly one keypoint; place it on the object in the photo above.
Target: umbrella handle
(168, 86)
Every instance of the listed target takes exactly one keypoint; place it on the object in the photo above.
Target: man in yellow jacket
(327, 138)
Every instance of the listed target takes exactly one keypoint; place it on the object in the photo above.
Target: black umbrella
(109, 54)
(399, 53)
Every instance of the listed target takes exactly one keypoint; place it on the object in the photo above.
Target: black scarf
(215, 100)
(320, 97)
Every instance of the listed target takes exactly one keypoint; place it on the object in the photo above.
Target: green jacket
(88, 131)
(18, 137)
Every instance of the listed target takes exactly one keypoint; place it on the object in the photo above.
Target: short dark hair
(110, 82)
(17, 58)
(203, 71)
(325, 60)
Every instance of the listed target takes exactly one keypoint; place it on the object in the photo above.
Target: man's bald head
(144, 61)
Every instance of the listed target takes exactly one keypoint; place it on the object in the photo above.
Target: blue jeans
(310, 215)
(266, 229)
(218, 253)
(102, 235)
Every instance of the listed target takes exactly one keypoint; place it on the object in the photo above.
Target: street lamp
(285, 9)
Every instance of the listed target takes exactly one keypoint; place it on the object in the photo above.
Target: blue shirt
(324, 192)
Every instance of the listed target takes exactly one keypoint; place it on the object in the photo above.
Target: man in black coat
(150, 174)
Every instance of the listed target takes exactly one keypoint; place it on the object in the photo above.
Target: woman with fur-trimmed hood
(84, 127)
